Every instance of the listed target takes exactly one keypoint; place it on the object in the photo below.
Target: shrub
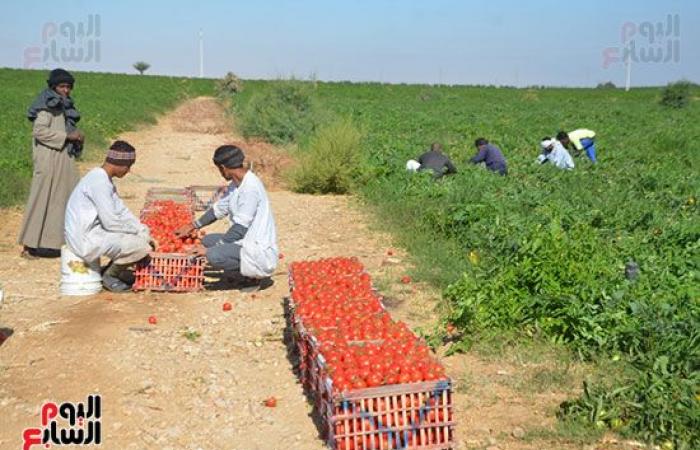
(285, 112)
(676, 95)
(331, 161)
(229, 85)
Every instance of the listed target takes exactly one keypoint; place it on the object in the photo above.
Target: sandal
(115, 285)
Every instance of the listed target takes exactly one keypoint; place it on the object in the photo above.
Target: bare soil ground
(196, 379)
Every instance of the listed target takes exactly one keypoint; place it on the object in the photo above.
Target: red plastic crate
(170, 272)
(178, 195)
(205, 196)
(400, 416)
(169, 193)
(407, 416)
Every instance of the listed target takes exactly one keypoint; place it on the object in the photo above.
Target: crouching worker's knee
(225, 257)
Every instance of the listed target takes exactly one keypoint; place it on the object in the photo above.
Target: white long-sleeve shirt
(559, 156)
(94, 211)
(249, 206)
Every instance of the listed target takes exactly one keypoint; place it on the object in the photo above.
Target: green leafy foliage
(331, 161)
(230, 84)
(677, 95)
(281, 113)
(552, 245)
(109, 104)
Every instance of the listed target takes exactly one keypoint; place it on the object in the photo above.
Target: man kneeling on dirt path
(249, 247)
(97, 222)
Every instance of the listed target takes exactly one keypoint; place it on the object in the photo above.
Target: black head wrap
(58, 76)
(229, 156)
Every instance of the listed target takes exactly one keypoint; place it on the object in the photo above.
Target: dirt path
(161, 390)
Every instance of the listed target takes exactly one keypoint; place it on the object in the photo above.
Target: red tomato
(152, 320)
(227, 306)
(361, 344)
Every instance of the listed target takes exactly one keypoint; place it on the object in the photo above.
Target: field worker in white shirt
(555, 153)
(249, 247)
(97, 222)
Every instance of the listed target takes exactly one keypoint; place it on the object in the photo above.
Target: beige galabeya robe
(55, 176)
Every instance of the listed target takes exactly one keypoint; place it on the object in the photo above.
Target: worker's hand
(184, 230)
(197, 250)
(76, 135)
(153, 243)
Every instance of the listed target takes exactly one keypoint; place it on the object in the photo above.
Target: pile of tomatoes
(360, 342)
(163, 217)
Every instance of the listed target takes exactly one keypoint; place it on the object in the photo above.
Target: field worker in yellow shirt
(581, 139)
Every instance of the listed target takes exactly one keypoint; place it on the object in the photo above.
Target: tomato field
(602, 259)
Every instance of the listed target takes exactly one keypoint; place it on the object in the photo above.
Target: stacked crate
(204, 197)
(169, 272)
(416, 415)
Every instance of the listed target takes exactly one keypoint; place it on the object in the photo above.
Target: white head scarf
(545, 144)
(412, 165)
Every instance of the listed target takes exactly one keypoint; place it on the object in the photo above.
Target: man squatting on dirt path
(249, 247)
(99, 224)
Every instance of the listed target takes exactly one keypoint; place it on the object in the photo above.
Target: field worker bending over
(435, 160)
(98, 223)
(579, 140)
(491, 156)
(249, 247)
(555, 153)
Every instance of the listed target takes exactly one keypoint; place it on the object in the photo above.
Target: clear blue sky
(457, 42)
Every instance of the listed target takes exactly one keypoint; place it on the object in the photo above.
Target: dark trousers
(222, 255)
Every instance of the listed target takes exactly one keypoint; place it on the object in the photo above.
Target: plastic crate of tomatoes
(170, 272)
(205, 196)
(402, 416)
(157, 198)
(374, 382)
(170, 268)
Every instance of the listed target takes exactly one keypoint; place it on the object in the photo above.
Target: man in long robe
(55, 145)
